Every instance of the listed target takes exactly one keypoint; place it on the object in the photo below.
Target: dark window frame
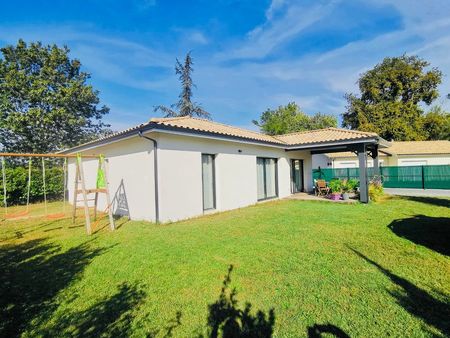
(265, 182)
(213, 183)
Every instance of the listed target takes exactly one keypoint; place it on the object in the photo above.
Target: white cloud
(332, 74)
(241, 90)
(144, 5)
(114, 59)
(198, 37)
(274, 7)
(265, 38)
(191, 36)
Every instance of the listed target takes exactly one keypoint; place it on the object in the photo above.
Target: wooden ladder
(80, 182)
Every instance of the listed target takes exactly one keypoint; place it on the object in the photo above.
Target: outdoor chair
(321, 188)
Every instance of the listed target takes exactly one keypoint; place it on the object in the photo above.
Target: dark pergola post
(363, 184)
(376, 162)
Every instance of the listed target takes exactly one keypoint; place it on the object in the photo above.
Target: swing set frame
(102, 185)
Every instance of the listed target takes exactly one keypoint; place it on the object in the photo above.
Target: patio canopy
(333, 140)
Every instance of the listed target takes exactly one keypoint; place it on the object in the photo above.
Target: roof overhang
(153, 127)
(133, 132)
(315, 148)
(339, 146)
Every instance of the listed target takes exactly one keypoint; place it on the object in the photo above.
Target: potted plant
(348, 187)
(336, 189)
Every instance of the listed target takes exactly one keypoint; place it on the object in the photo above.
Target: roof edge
(305, 146)
(158, 124)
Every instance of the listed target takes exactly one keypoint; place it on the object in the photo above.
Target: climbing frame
(102, 187)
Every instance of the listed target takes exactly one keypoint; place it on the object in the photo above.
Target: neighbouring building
(408, 153)
(170, 169)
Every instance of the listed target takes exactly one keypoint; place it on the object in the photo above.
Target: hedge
(17, 184)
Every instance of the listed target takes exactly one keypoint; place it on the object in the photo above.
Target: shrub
(336, 186)
(352, 184)
(17, 184)
(349, 185)
(375, 190)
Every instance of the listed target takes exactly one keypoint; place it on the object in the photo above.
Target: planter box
(335, 197)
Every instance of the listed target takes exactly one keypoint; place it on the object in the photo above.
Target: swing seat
(16, 215)
(60, 215)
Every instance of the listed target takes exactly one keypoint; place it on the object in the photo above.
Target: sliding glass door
(266, 173)
(297, 176)
(208, 181)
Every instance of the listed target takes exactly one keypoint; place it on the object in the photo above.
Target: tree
(185, 106)
(436, 124)
(391, 94)
(45, 101)
(290, 118)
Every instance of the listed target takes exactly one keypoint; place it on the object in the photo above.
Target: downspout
(155, 165)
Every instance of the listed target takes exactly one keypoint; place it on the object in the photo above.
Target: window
(266, 173)
(208, 182)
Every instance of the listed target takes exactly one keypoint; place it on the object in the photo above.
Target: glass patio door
(297, 176)
(266, 173)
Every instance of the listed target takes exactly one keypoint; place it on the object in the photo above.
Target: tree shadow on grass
(31, 275)
(432, 232)
(227, 320)
(110, 317)
(416, 301)
(439, 202)
(318, 330)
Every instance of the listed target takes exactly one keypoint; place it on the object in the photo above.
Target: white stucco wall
(320, 160)
(353, 162)
(180, 174)
(130, 165)
(404, 160)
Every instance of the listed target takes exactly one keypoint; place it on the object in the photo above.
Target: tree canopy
(184, 106)
(436, 124)
(391, 98)
(45, 101)
(290, 118)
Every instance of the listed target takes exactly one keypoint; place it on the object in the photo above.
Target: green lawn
(374, 270)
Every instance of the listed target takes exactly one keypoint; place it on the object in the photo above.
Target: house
(170, 169)
(408, 153)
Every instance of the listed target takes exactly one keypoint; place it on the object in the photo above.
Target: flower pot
(335, 197)
(345, 196)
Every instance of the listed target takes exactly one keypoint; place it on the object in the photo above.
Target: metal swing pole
(29, 184)
(45, 191)
(64, 184)
(4, 185)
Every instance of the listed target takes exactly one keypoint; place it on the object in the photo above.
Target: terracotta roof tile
(324, 135)
(197, 124)
(419, 147)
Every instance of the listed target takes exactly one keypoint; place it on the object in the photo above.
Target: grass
(308, 267)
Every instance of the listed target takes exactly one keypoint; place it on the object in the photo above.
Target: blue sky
(249, 55)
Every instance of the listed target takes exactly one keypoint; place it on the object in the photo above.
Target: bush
(17, 184)
(336, 186)
(349, 185)
(375, 190)
(353, 184)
